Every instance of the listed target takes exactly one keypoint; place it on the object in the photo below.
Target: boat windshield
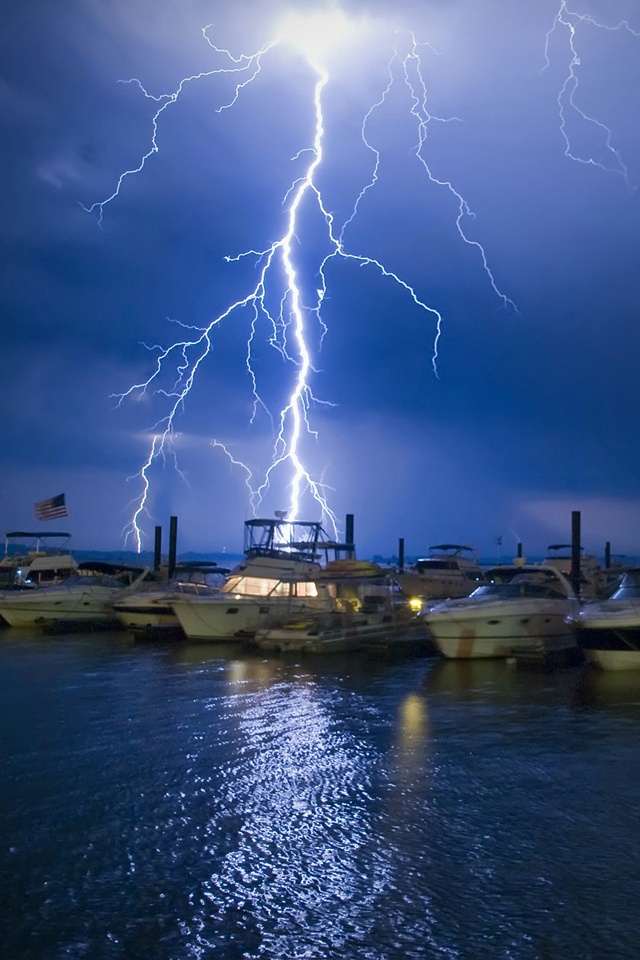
(629, 588)
(517, 589)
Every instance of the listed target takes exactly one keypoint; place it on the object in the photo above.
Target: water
(177, 802)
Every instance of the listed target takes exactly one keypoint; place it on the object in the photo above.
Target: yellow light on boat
(416, 604)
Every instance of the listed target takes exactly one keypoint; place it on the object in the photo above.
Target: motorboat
(85, 597)
(328, 631)
(339, 631)
(593, 576)
(255, 589)
(32, 559)
(148, 613)
(608, 631)
(451, 570)
(522, 608)
(366, 608)
(280, 572)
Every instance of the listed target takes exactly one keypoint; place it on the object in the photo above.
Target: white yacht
(608, 631)
(148, 613)
(452, 570)
(31, 559)
(593, 576)
(85, 597)
(522, 608)
(280, 574)
(366, 609)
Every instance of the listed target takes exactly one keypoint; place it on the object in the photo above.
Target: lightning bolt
(278, 273)
(571, 22)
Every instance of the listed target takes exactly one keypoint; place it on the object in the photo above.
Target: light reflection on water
(192, 801)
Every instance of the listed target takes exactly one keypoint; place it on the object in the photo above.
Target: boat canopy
(450, 546)
(562, 546)
(35, 536)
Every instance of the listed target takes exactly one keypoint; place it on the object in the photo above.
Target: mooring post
(173, 540)
(607, 555)
(351, 551)
(157, 550)
(401, 555)
(575, 550)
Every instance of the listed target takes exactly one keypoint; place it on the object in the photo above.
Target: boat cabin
(34, 558)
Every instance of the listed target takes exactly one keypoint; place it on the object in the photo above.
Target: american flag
(51, 509)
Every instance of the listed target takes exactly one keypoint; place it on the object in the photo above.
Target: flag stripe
(51, 509)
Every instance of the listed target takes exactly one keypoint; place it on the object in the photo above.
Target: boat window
(306, 588)
(425, 566)
(252, 586)
(231, 584)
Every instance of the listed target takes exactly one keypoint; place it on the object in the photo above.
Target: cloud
(602, 519)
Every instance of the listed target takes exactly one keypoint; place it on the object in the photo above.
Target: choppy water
(195, 801)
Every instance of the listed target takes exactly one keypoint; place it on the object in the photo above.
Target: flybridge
(295, 539)
(32, 557)
(36, 542)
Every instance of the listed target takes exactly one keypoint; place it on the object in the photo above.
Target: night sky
(533, 409)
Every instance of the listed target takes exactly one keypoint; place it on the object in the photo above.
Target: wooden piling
(575, 550)
(349, 538)
(173, 540)
(157, 550)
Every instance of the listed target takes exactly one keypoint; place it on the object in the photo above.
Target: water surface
(195, 801)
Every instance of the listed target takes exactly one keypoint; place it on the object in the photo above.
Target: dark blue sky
(533, 412)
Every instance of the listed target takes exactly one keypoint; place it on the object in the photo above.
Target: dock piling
(157, 550)
(349, 537)
(173, 540)
(575, 550)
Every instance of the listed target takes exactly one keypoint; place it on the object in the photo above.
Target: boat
(322, 632)
(280, 572)
(452, 570)
(83, 598)
(367, 609)
(523, 609)
(31, 559)
(594, 578)
(608, 631)
(147, 612)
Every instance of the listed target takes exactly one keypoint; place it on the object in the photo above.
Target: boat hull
(140, 616)
(223, 619)
(341, 632)
(37, 607)
(611, 647)
(306, 636)
(499, 632)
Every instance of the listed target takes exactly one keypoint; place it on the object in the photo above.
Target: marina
(298, 590)
(350, 769)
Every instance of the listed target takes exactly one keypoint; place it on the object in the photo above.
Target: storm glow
(278, 295)
(279, 300)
